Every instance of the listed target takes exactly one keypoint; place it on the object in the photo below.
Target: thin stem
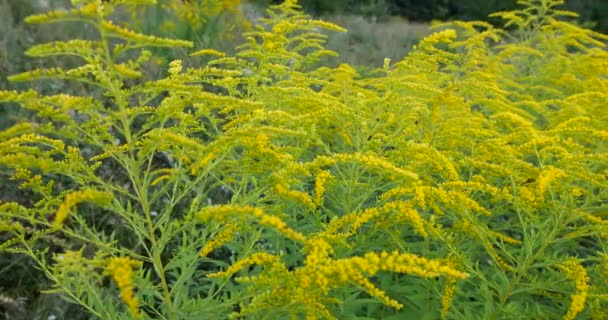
(132, 168)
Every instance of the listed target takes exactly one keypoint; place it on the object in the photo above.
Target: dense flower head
(577, 273)
(72, 199)
(121, 270)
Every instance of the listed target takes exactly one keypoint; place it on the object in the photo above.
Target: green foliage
(467, 180)
(592, 12)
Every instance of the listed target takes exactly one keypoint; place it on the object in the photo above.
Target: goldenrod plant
(468, 180)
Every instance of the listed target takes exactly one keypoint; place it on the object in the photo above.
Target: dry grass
(368, 42)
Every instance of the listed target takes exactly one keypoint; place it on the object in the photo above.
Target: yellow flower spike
(87, 11)
(321, 181)
(504, 237)
(203, 162)
(547, 177)
(111, 152)
(410, 213)
(208, 52)
(121, 270)
(577, 273)
(437, 37)
(420, 196)
(528, 197)
(17, 129)
(72, 199)
(220, 238)
(375, 292)
(180, 140)
(223, 213)
(353, 221)
(409, 263)
(367, 160)
(326, 25)
(128, 35)
(295, 195)
(33, 138)
(448, 295)
(317, 251)
(260, 258)
(175, 67)
(499, 260)
(166, 174)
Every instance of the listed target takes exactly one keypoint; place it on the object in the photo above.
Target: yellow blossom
(448, 295)
(295, 195)
(547, 177)
(222, 213)
(219, 239)
(410, 213)
(175, 67)
(259, 258)
(121, 270)
(72, 199)
(577, 273)
(207, 52)
(320, 185)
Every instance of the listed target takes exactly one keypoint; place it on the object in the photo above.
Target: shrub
(468, 180)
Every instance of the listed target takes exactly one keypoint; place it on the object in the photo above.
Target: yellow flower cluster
(318, 251)
(353, 221)
(129, 35)
(207, 52)
(547, 177)
(202, 163)
(126, 71)
(6, 146)
(323, 24)
(437, 37)
(220, 238)
(111, 152)
(321, 181)
(17, 129)
(367, 160)
(87, 11)
(72, 199)
(433, 196)
(321, 273)
(425, 153)
(175, 67)
(259, 258)
(406, 210)
(295, 195)
(357, 269)
(223, 213)
(577, 273)
(121, 270)
(527, 197)
(448, 295)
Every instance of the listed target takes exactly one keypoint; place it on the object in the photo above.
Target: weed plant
(466, 181)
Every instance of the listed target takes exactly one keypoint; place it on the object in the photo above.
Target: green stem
(132, 169)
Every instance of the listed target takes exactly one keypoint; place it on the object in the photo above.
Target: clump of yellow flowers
(121, 270)
(466, 180)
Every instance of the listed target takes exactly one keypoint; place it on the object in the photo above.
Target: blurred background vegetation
(593, 11)
(377, 29)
